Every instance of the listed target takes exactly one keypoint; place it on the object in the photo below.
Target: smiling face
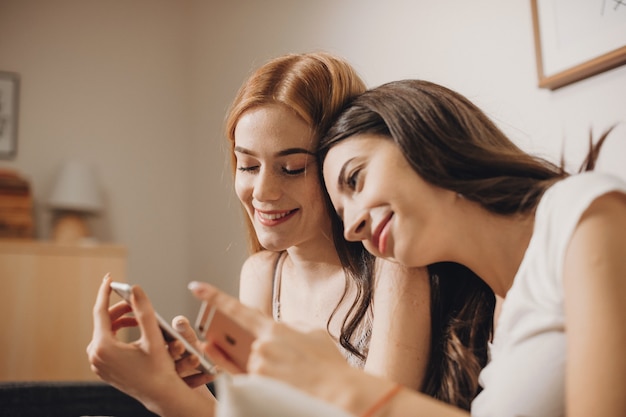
(276, 178)
(384, 202)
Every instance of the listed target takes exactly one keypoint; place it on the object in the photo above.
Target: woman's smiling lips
(273, 218)
(381, 234)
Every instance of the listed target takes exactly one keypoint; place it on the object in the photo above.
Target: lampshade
(76, 189)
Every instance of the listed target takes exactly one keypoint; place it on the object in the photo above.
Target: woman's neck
(493, 246)
(313, 282)
(314, 260)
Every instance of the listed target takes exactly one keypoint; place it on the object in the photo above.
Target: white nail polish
(179, 325)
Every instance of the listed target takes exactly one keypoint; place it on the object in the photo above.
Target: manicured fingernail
(106, 276)
(179, 325)
(193, 285)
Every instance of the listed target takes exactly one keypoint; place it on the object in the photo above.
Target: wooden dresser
(47, 292)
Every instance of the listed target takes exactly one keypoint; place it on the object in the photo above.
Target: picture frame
(576, 39)
(9, 96)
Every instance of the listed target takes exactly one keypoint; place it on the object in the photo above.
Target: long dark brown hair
(452, 144)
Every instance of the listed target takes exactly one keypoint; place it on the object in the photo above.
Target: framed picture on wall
(9, 94)
(575, 39)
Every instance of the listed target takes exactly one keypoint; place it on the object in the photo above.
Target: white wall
(145, 85)
(106, 82)
(484, 49)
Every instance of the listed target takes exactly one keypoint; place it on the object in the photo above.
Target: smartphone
(169, 333)
(225, 333)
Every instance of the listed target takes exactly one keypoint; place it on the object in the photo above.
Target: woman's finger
(146, 317)
(123, 322)
(249, 319)
(181, 325)
(187, 365)
(176, 349)
(197, 380)
(101, 318)
(103, 334)
(119, 309)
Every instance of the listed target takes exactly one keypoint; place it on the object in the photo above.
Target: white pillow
(245, 395)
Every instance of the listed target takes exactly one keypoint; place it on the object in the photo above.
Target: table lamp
(76, 194)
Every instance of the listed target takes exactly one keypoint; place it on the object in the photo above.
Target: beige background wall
(140, 89)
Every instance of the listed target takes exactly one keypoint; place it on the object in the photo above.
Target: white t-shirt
(526, 373)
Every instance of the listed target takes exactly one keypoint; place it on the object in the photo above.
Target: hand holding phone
(221, 330)
(169, 333)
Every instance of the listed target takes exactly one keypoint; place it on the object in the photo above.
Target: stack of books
(16, 206)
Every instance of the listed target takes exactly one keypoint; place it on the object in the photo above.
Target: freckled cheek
(311, 190)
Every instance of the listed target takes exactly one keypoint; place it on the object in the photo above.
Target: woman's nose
(266, 186)
(356, 225)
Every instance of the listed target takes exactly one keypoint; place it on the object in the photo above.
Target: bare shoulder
(601, 227)
(598, 243)
(612, 204)
(256, 280)
(262, 261)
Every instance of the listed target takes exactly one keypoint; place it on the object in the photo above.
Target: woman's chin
(273, 246)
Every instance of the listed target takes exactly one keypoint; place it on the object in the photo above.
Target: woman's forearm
(358, 392)
(180, 401)
(415, 404)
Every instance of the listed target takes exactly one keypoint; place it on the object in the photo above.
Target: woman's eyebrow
(284, 152)
(291, 151)
(243, 150)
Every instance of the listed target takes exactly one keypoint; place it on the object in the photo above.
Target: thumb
(181, 325)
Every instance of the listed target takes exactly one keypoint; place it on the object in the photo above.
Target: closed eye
(294, 171)
(352, 179)
(247, 169)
